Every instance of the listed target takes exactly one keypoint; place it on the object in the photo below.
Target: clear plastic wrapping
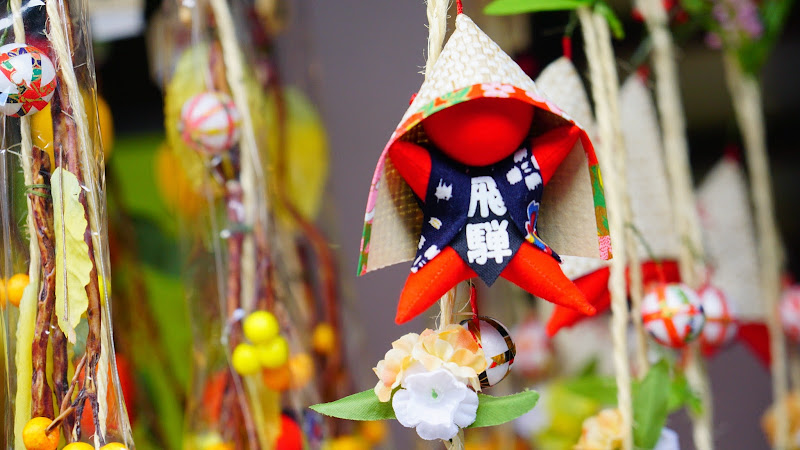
(251, 383)
(56, 315)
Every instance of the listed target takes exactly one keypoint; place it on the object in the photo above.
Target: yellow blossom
(602, 432)
(391, 369)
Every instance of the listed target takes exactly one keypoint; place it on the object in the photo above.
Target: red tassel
(459, 7)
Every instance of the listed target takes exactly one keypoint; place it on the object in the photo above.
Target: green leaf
(508, 7)
(603, 390)
(362, 406)
(499, 410)
(73, 264)
(614, 23)
(696, 7)
(650, 400)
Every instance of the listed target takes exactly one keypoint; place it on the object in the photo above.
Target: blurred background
(361, 62)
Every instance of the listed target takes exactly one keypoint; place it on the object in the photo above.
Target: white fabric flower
(668, 440)
(436, 404)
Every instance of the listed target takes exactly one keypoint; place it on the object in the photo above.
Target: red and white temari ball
(790, 312)
(210, 123)
(499, 349)
(672, 314)
(27, 79)
(534, 348)
(721, 325)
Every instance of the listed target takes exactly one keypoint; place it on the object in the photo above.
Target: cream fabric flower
(602, 432)
(391, 370)
(453, 349)
(436, 404)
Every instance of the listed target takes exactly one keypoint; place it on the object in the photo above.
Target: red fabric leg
(430, 283)
(595, 288)
(538, 273)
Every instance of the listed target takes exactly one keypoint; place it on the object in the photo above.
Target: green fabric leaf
(602, 390)
(614, 23)
(362, 406)
(508, 7)
(650, 400)
(73, 264)
(499, 410)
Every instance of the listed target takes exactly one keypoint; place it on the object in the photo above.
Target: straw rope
(746, 96)
(23, 406)
(604, 90)
(687, 223)
(437, 27)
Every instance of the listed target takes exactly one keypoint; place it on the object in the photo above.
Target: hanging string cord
(599, 68)
(746, 94)
(676, 150)
(437, 28)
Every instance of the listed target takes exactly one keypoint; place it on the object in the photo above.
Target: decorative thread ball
(721, 325)
(323, 339)
(497, 345)
(36, 437)
(79, 446)
(245, 359)
(260, 327)
(274, 353)
(210, 123)
(790, 312)
(27, 79)
(534, 348)
(673, 314)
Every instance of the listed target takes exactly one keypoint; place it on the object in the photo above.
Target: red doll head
(480, 132)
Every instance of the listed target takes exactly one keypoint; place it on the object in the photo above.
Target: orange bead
(15, 287)
(278, 379)
(374, 431)
(324, 338)
(301, 366)
(36, 437)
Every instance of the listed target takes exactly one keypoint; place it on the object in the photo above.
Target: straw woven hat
(572, 219)
(730, 245)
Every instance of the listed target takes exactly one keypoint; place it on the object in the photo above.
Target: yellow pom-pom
(113, 446)
(324, 338)
(15, 287)
(80, 446)
(274, 353)
(36, 437)
(301, 367)
(245, 359)
(260, 327)
(374, 431)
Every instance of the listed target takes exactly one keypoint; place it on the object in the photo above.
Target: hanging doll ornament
(498, 348)
(673, 314)
(721, 326)
(210, 123)
(472, 183)
(28, 80)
